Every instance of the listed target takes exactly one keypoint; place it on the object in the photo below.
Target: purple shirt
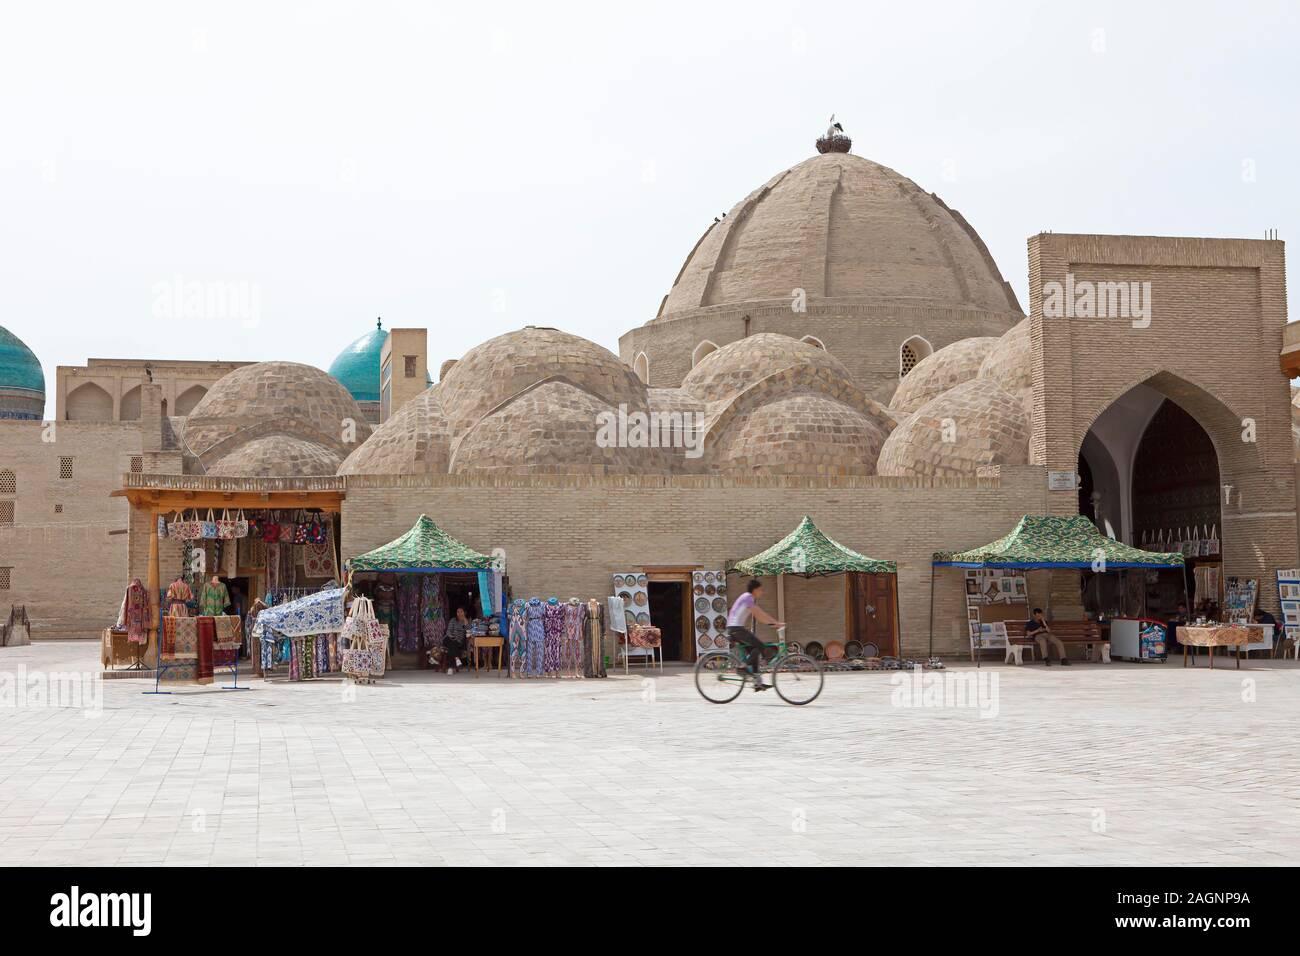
(741, 611)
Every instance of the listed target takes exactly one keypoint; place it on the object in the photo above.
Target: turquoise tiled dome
(357, 366)
(19, 367)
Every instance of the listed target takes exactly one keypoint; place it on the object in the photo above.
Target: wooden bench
(1086, 633)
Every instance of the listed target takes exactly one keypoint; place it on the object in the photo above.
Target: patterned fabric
(319, 613)
(180, 639)
(1056, 541)
(536, 638)
(807, 551)
(408, 613)
(318, 559)
(518, 642)
(485, 592)
(136, 616)
(431, 613)
(230, 632)
(554, 637)
(206, 632)
(1225, 636)
(178, 594)
(425, 546)
(642, 635)
(575, 619)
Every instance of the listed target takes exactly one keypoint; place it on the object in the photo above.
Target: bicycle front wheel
(716, 677)
(798, 679)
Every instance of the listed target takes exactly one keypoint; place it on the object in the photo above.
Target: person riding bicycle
(738, 630)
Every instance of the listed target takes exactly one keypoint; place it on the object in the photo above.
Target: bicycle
(721, 676)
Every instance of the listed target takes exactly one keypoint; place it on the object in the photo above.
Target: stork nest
(839, 143)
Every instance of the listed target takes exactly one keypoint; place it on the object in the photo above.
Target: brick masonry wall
(69, 567)
(1217, 319)
(566, 536)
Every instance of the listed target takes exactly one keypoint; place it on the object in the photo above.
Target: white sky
(477, 169)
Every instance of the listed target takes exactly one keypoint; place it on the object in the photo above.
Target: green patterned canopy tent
(1056, 541)
(808, 552)
(426, 548)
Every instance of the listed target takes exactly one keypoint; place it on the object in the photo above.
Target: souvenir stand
(809, 553)
(421, 558)
(308, 629)
(1046, 542)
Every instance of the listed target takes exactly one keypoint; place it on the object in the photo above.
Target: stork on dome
(835, 140)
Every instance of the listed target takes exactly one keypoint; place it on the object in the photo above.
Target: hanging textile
(575, 616)
(485, 592)
(408, 613)
(136, 616)
(178, 596)
(536, 631)
(206, 633)
(180, 638)
(213, 599)
(318, 557)
(554, 636)
(593, 647)
(518, 638)
(431, 611)
(272, 566)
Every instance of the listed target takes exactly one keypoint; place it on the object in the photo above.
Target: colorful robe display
(135, 614)
(213, 599)
(536, 640)
(408, 613)
(575, 619)
(178, 597)
(517, 642)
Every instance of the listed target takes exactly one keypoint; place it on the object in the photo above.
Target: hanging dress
(536, 630)
(136, 616)
(213, 599)
(178, 597)
(554, 638)
(408, 613)
(431, 611)
(518, 638)
(575, 618)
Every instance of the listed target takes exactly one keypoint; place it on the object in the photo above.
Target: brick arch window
(814, 341)
(702, 351)
(642, 367)
(912, 351)
(8, 482)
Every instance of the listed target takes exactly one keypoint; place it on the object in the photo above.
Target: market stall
(417, 581)
(806, 552)
(1045, 542)
(304, 634)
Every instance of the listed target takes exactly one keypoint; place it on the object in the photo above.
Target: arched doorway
(1149, 476)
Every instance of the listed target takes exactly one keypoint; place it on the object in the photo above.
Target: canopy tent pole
(898, 621)
(932, 572)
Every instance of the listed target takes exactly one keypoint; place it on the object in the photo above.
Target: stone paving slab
(1122, 764)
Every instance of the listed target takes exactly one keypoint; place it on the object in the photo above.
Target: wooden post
(153, 585)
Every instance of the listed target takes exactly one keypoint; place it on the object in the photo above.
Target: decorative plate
(705, 641)
(702, 605)
(640, 580)
(719, 605)
(814, 650)
(720, 623)
(719, 642)
(834, 650)
(853, 650)
(701, 623)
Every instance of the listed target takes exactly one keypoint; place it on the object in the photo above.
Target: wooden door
(873, 611)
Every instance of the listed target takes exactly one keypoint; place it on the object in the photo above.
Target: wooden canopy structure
(156, 495)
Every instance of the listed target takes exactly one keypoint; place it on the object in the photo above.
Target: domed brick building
(840, 344)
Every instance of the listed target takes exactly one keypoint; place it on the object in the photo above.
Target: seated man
(1036, 627)
(1263, 617)
(1172, 625)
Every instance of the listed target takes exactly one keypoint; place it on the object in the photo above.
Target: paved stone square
(1126, 764)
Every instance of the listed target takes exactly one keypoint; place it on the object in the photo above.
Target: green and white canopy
(427, 548)
(1056, 541)
(808, 552)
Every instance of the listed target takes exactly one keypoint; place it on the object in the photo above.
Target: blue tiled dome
(22, 383)
(357, 366)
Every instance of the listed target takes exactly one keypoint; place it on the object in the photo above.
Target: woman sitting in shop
(455, 641)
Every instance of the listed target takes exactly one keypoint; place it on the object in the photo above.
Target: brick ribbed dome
(803, 434)
(277, 456)
(414, 441)
(940, 371)
(734, 367)
(1010, 364)
(974, 424)
(838, 225)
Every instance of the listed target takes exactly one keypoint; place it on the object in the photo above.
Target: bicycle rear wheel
(798, 679)
(716, 678)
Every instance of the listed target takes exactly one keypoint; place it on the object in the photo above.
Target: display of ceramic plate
(720, 623)
(639, 599)
(699, 577)
(705, 641)
(629, 617)
(701, 623)
(699, 589)
(834, 650)
(814, 650)
(641, 580)
(870, 650)
(853, 650)
(709, 577)
(702, 604)
(719, 642)
(722, 589)
(643, 618)
(626, 596)
(719, 605)
(794, 647)
(618, 580)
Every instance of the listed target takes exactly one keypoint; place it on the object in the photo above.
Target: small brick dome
(940, 371)
(802, 434)
(731, 369)
(416, 440)
(974, 424)
(1010, 364)
(277, 456)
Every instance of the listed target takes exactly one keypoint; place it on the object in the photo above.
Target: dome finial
(379, 322)
(835, 139)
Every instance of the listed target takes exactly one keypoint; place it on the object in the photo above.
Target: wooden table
(1212, 636)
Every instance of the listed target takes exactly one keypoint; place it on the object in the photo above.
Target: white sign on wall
(1062, 481)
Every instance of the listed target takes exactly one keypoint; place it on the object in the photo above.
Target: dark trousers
(743, 635)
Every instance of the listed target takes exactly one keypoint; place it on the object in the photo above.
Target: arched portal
(1149, 475)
